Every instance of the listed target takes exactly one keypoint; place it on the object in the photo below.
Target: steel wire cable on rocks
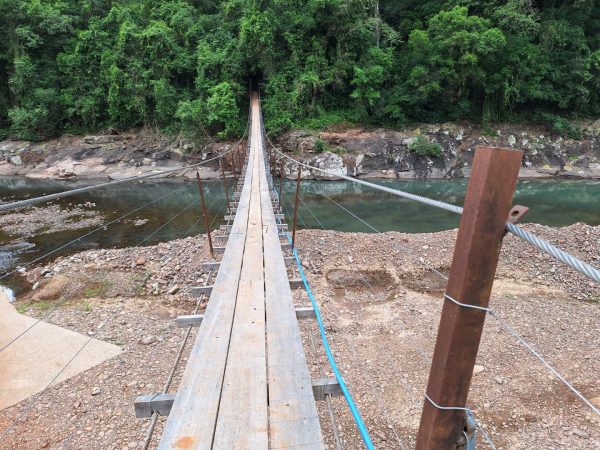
(56, 306)
(44, 198)
(364, 433)
(67, 441)
(155, 415)
(38, 395)
(541, 244)
(47, 314)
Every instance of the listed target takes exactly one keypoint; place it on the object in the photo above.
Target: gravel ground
(381, 305)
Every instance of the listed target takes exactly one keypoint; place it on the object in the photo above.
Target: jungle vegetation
(71, 66)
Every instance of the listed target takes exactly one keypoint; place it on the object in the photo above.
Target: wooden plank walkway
(246, 384)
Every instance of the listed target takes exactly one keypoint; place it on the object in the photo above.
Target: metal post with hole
(205, 214)
(296, 204)
(476, 253)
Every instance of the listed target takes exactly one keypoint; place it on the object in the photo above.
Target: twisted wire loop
(469, 413)
(541, 244)
(530, 348)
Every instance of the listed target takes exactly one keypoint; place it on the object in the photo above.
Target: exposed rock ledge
(112, 156)
(378, 153)
(384, 153)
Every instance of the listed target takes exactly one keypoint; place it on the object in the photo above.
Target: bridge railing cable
(36, 397)
(504, 325)
(541, 244)
(407, 386)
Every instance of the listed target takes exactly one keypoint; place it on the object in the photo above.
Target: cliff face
(384, 153)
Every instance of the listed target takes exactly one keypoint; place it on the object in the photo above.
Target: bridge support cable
(575, 263)
(60, 303)
(386, 414)
(66, 298)
(362, 429)
(155, 348)
(407, 386)
(95, 230)
(503, 324)
(37, 396)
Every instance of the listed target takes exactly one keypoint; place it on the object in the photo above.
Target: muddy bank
(383, 153)
(381, 304)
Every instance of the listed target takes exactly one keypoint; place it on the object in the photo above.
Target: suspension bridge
(246, 383)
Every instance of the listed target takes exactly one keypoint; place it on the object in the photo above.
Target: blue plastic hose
(364, 433)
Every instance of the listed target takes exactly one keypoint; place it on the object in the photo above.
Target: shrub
(561, 126)
(422, 147)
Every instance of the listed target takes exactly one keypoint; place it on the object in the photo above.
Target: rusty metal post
(233, 169)
(225, 186)
(205, 214)
(294, 223)
(281, 169)
(487, 204)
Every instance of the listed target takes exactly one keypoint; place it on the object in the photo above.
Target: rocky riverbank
(108, 156)
(391, 154)
(368, 153)
(381, 304)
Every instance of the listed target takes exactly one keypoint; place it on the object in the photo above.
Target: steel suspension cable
(507, 327)
(541, 244)
(95, 230)
(37, 396)
(478, 425)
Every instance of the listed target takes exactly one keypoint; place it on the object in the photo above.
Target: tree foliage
(81, 65)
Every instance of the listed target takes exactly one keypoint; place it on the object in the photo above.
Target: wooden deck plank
(192, 420)
(293, 418)
(242, 421)
(246, 384)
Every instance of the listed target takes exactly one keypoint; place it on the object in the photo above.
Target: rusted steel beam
(205, 214)
(225, 186)
(487, 204)
(296, 204)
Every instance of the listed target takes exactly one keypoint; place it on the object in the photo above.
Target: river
(552, 202)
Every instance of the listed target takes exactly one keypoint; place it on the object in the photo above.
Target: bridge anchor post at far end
(487, 205)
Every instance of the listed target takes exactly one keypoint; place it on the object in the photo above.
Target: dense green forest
(84, 65)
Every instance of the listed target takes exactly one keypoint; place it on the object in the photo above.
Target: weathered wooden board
(193, 416)
(293, 419)
(243, 417)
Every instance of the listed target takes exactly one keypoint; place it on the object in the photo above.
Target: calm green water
(552, 202)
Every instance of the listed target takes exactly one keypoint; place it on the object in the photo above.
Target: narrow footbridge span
(246, 384)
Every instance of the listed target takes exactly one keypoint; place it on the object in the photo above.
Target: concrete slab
(30, 363)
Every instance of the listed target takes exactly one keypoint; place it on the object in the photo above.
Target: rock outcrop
(384, 153)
